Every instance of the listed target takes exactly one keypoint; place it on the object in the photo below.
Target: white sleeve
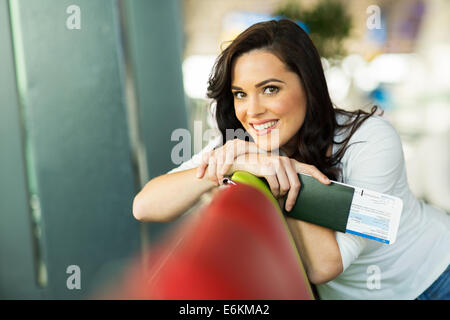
(350, 247)
(375, 164)
(196, 159)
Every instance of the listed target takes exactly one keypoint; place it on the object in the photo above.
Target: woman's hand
(219, 161)
(280, 172)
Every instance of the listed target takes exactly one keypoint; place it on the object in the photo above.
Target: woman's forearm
(166, 197)
(318, 249)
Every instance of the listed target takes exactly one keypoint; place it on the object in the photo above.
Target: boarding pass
(374, 215)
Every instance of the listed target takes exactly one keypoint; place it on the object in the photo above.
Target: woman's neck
(290, 148)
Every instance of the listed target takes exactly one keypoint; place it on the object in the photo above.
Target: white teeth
(264, 126)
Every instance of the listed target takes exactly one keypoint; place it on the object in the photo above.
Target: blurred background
(91, 92)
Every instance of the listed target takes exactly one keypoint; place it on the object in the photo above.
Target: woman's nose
(255, 107)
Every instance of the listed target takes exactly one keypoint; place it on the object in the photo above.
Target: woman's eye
(271, 90)
(239, 94)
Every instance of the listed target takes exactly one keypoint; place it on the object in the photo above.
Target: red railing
(236, 247)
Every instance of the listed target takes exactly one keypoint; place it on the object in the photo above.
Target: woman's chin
(270, 141)
(266, 145)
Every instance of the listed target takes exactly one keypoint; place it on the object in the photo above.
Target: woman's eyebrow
(267, 81)
(260, 83)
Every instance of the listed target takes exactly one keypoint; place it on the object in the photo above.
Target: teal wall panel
(71, 88)
(69, 153)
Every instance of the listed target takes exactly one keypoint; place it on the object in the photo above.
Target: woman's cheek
(240, 114)
(283, 107)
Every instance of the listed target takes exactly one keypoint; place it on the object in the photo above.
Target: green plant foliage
(329, 24)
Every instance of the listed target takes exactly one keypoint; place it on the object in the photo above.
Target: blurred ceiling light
(196, 71)
(364, 79)
(390, 67)
(353, 62)
(439, 55)
(437, 117)
(338, 83)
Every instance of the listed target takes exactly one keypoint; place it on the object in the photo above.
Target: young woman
(269, 83)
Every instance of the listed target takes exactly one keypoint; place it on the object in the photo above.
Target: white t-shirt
(373, 270)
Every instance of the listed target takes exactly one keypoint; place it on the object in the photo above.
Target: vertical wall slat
(76, 118)
(154, 34)
(17, 265)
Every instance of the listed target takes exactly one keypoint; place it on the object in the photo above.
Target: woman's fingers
(201, 170)
(271, 168)
(235, 148)
(312, 171)
(228, 159)
(225, 157)
(273, 184)
(212, 166)
(281, 202)
(282, 177)
(294, 183)
(215, 156)
(204, 164)
(248, 147)
(219, 165)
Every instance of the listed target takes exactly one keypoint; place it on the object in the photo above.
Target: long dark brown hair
(291, 45)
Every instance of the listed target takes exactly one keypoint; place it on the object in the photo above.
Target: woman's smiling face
(269, 100)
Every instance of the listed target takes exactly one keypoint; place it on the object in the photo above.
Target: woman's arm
(157, 203)
(167, 197)
(318, 249)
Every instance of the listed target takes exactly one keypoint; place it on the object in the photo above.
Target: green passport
(324, 205)
(317, 203)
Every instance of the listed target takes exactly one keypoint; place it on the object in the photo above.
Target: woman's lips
(264, 131)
